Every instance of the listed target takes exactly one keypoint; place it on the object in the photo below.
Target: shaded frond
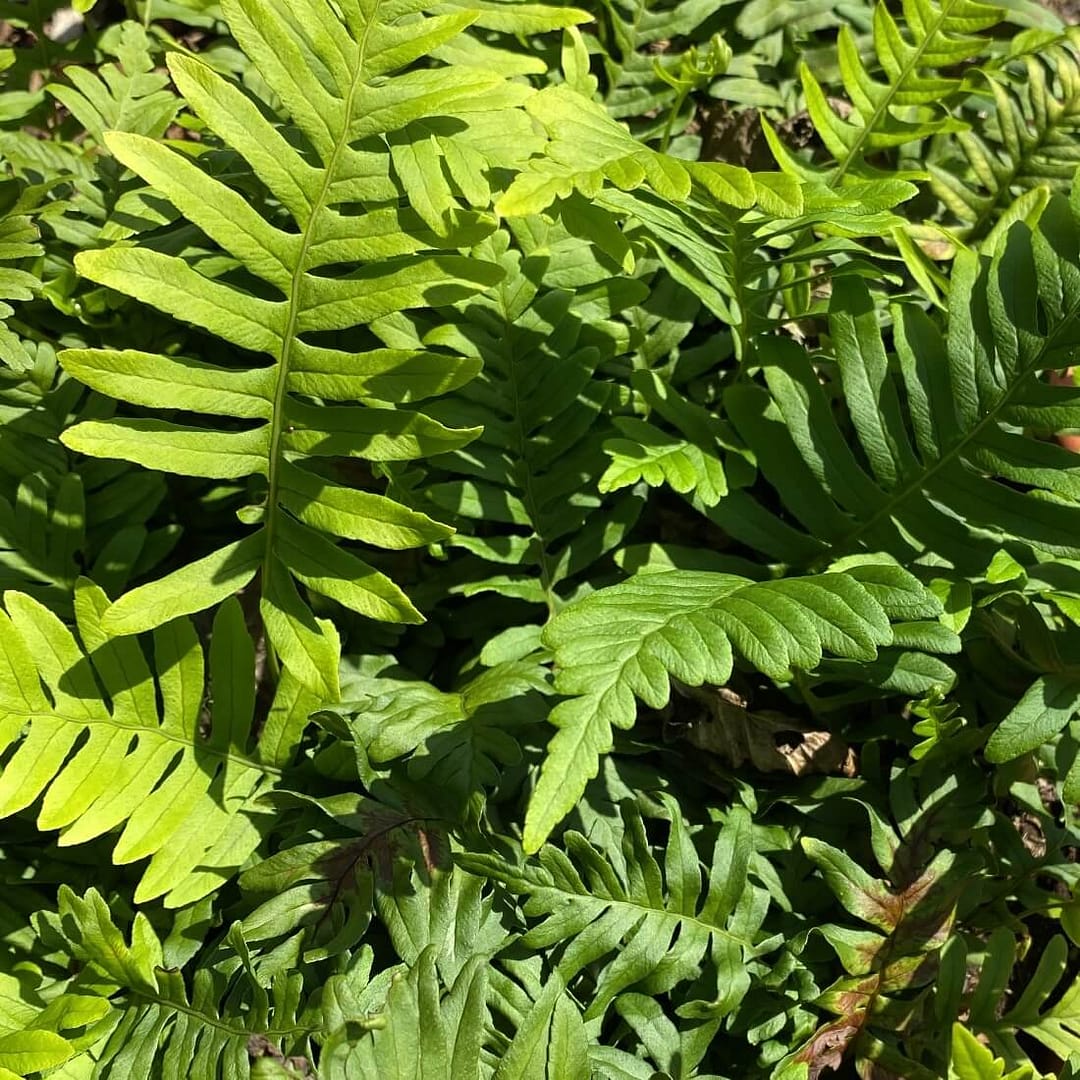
(948, 456)
(522, 495)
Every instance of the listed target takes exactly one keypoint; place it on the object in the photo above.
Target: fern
(739, 262)
(662, 926)
(942, 474)
(629, 640)
(640, 80)
(543, 335)
(157, 1022)
(18, 241)
(185, 798)
(908, 105)
(1027, 143)
(282, 429)
(126, 96)
(457, 744)
(1053, 1025)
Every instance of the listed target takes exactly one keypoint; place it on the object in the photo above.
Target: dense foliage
(538, 541)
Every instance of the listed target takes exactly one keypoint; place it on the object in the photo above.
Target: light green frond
(586, 148)
(909, 102)
(328, 266)
(179, 782)
(1026, 144)
(628, 642)
(128, 95)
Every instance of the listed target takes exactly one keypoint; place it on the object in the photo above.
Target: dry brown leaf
(770, 741)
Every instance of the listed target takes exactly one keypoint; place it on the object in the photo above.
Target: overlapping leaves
(639, 924)
(630, 640)
(325, 267)
(948, 457)
(1025, 147)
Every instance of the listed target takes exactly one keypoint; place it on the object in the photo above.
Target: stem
(680, 100)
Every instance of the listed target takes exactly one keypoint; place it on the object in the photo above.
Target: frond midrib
(211, 1019)
(677, 917)
(155, 732)
(277, 424)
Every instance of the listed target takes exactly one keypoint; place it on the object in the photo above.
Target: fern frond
(1028, 140)
(630, 640)
(586, 148)
(909, 104)
(520, 495)
(370, 133)
(128, 95)
(40, 538)
(1042, 1011)
(739, 262)
(184, 797)
(19, 240)
(207, 1019)
(638, 920)
(421, 1030)
(952, 469)
(635, 87)
(457, 744)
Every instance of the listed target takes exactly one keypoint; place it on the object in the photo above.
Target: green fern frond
(40, 538)
(371, 136)
(638, 920)
(955, 467)
(210, 1019)
(184, 797)
(19, 239)
(420, 1030)
(542, 335)
(739, 262)
(1028, 140)
(1042, 1012)
(128, 95)
(630, 640)
(586, 149)
(909, 104)
(457, 743)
